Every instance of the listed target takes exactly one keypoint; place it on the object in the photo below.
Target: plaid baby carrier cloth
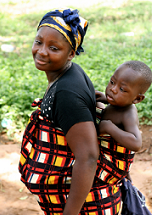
(46, 169)
(114, 161)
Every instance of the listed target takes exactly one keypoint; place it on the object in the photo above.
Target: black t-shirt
(71, 99)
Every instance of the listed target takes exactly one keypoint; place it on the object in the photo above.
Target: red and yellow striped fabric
(115, 160)
(46, 169)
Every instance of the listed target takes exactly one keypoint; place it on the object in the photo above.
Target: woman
(60, 149)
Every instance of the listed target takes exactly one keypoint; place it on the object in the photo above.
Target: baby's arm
(130, 137)
(100, 99)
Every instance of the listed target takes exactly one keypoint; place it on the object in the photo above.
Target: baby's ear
(139, 98)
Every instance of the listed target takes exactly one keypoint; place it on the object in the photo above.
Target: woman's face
(51, 51)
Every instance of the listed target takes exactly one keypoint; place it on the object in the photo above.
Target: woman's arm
(82, 139)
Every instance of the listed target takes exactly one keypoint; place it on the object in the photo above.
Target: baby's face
(123, 87)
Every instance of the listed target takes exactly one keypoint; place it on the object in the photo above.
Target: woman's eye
(53, 48)
(37, 42)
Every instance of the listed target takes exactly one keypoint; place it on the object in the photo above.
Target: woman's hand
(129, 177)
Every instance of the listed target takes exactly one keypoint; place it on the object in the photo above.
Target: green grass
(106, 46)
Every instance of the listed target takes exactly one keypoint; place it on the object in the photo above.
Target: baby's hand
(100, 97)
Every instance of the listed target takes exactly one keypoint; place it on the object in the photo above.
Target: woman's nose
(42, 50)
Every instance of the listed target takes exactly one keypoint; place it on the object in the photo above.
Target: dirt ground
(15, 199)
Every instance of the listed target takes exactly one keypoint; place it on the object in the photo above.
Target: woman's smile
(41, 62)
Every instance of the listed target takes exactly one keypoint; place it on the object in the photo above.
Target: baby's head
(142, 72)
(129, 83)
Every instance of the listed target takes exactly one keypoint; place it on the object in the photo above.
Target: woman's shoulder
(75, 77)
(77, 70)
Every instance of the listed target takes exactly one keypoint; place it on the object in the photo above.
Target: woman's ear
(71, 55)
(139, 98)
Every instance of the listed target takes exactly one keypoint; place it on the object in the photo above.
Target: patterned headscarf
(69, 23)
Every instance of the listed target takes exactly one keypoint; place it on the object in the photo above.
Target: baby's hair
(144, 71)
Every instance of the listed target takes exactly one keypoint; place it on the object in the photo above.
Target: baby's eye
(111, 81)
(121, 89)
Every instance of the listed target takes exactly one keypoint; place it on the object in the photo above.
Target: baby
(119, 119)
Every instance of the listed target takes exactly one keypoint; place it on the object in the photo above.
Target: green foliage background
(106, 46)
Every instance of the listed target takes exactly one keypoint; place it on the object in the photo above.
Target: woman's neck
(53, 76)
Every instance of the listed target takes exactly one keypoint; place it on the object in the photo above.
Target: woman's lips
(40, 62)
